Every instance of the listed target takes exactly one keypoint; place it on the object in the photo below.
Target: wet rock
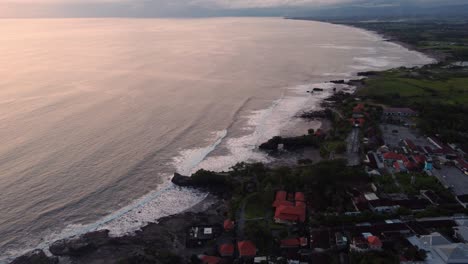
(338, 81)
(35, 257)
(181, 180)
(81, 245)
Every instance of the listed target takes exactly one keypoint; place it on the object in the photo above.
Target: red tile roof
(393, 156)
(290, 213)
(226, 250)
(228, 225)
(299, 197)
(462, 163)
(374, 241)
(411, 145)
(280, 198)
(420, 159)
(293, 242)
(246, 249)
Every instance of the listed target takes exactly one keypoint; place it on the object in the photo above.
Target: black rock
(338, 81)
(318, 90)
(181, 180)
(35, 257)
(81, 245)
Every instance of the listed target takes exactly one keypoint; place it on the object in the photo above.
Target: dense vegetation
(447, 37)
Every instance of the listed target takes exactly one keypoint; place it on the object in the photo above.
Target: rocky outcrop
(368, 73)
(338, 81)
(157, 243)
(183, 181)
(80, 245)
(35, 257)
(214, 183)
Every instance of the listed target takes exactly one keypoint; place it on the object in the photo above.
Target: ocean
(97, 114)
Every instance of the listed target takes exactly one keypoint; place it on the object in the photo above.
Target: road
(353, 145)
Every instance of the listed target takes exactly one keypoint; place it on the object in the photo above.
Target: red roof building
(462, 164)
(374, 242)
(226, 250)
(209, 259)
(411, 145)
(293, 242)
(288, 211)
(357, 122)
(228, 225)
(420, 159)
(247, 249)
(394, 156)
(299, 197)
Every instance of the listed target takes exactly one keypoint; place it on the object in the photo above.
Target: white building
(440, 250)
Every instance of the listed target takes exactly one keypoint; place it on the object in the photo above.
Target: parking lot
(393, 134)
(453, 178)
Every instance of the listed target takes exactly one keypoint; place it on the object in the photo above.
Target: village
(410, 209)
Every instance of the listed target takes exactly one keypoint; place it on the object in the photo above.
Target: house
(293, 242)
(400, 112)
(379, 205)
(228, 225)
(399, 166)
(461, 232)
(374, 243)
(462, 165)
(199, 235)
(357, 122)
(289, 211)
(441, 250)
(226, 250)
(359, 244)
(392, 156)
(340, 240)
(453, 253)
(246, 249)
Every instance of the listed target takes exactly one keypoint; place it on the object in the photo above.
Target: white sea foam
(261, 126)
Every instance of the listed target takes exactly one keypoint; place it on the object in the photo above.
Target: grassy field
(411, 86)
(255, 207)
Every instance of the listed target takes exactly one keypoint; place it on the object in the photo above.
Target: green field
(411, 86)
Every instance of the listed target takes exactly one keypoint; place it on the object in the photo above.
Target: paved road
(241, 220)
(352, 152)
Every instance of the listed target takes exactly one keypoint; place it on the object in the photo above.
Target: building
(199, 235)
(246, 249)
(440, 250)
(359, 244)
(226, 250)
(379, 205)
(340, 240)
(289, 211)
(293, 242)
(374, 243)
(228, 225)
(461, 232)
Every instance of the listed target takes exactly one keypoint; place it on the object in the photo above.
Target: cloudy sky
(54, 8)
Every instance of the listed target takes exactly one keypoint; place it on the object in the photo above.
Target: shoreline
(210, 206)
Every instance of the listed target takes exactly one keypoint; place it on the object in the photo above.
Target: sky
(168, 8)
